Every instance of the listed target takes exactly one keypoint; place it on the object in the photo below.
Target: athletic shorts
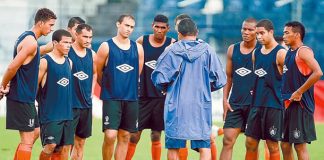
(21, 116)
(57, 132)
(82, 122)
(118, 114)
(150, 115)
(298, 125)
(237, 118)
(172, 143)
(265, 123)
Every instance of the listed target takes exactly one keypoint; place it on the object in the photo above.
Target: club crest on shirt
(272, 131)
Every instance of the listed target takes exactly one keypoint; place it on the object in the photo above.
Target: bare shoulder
(140, 40)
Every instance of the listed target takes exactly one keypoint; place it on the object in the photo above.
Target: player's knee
(300, 148)
(155, 136)
(228, 141)
(273, 146)
(109, 138)
(134, 138)
(285, 147)
(251, 144)
(49, 148)
(123, 137)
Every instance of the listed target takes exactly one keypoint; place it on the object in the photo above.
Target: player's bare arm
(101, 60)
(42, 72)
(307, 55)
(94, 78)
(26, 52)
(281, 60)
(140, 57)
(228, 86)
(44, 49)
(140, 40)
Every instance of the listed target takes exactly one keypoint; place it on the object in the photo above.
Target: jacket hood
(190, 50)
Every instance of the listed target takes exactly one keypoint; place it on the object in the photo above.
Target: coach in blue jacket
(187, 72)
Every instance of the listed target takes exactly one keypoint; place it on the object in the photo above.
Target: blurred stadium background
(219, 23)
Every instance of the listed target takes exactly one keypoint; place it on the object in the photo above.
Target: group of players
(262, 78)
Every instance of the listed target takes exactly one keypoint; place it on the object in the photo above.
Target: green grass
(9, 140)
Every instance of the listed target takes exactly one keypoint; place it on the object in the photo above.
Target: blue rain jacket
(188, 71)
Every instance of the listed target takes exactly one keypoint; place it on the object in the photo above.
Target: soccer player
(119, 64)
(22, 74)
(55, 99)
(83, 71)
(266, 114)
(303, 70)
(151, 102)
(72, 25)
(239, 70)
(187, 116)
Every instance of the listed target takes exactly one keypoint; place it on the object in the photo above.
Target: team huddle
(160, 83)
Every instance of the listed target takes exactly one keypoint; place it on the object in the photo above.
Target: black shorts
(57, 132)
(265, 123)
(117, 114)
(298, 125)
(21, 116)
(82, 122)
(150, 115)
(237, 118)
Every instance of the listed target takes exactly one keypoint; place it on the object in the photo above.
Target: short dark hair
(181, 17)
(58, 34)
(83, 26)
(44, 14)
(161, 18)
(121, 17)
(250, 20)
(187, 27)
(75, 20)
(297, 27)
(266, 23)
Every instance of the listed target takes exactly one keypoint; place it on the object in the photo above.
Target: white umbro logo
(260, 72)
(151, 64)
(243, 71)
(50, 138)
(284, 69)
(125, 68)
(63, 82)
(81, 75)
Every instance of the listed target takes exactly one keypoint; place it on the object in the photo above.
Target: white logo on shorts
(106, 120)
(137, 123)
(50, 138)
(31, 123)
(284, 69)
(151, 64)
(296, 133)
(272, 131)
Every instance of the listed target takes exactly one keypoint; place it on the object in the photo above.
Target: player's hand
(296, 96)
(226, 107)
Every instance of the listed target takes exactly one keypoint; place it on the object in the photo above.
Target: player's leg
(301, 150)
(203, 146)
(253, 133)
(156, 145)
(157, 126)
(173, 146)
(287, 151)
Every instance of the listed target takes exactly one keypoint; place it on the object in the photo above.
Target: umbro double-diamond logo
(125, 68)
(81, 75)
(242, 71)
(63, 82)
(260, 72)
(151, 64)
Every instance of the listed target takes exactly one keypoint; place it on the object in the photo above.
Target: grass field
(9, 140)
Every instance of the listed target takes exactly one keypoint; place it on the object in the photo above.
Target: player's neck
(78, 48)
(122, 40)
(57, 56)
(249, 44)
(296, 45)
(190, 38)
(158, 40)
(36, 31)
(271, 44)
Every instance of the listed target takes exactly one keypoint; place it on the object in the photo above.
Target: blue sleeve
(166, 70)
(217, 75)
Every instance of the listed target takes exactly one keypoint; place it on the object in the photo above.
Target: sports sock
(156, 150)
(213, 149)
(23, 151)
(130, 150)
(183, 153)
